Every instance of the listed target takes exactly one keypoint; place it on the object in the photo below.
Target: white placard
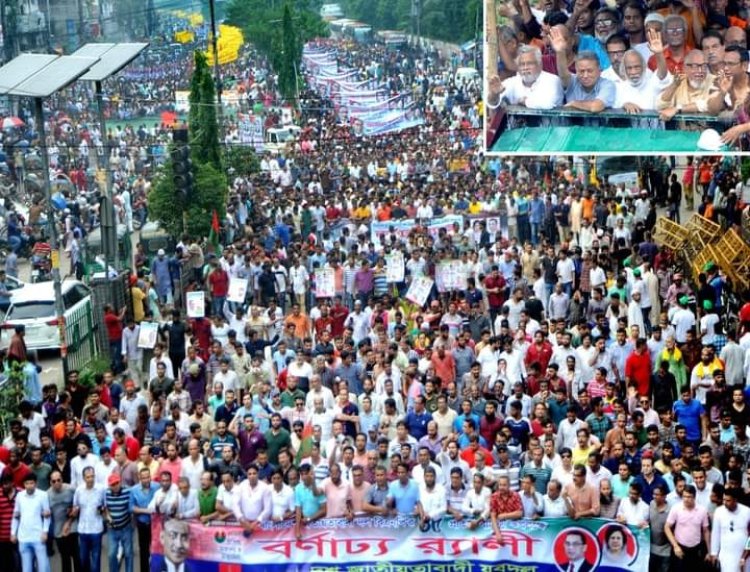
(237, 290)
(419, 290)
(147, 334)
(325, 283)
(450, 275)
(196, 304)
(394, 268)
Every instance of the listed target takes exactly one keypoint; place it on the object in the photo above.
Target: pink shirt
(336, 498)
(688, 525)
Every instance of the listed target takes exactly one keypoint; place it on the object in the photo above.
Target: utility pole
(217, 75)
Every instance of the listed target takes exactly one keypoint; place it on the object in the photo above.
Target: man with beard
(587, 90)
(689, 93)
(638, 87)
(606, 24)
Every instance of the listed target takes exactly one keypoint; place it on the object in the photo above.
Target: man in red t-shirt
(218, 285)
(638, 368)
(745, 316)
(339, 312)
(494, 285)
(113, 324)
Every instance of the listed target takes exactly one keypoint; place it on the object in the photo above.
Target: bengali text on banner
(400, 544)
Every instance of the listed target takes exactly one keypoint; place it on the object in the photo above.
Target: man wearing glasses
(65, 527)
(689, 92)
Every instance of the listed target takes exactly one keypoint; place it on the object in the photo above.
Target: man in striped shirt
(8, 496)
(119, 511)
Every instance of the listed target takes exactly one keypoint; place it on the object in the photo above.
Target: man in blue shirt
(587, 90)
(690, 414)
(417, 420)
(141, 497)
(309, 501)
(403, 493)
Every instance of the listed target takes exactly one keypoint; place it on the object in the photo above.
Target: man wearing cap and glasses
(118, 515)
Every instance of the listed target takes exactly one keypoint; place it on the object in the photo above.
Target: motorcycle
(41, 263)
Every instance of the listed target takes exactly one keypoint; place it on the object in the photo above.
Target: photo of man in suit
(575, 552)
(175, 538)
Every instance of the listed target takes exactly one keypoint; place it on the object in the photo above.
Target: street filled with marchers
(392, 326)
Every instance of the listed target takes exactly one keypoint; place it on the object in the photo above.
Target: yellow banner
(184, 37)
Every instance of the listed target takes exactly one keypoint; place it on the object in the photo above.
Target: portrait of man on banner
(175, 540)
(576, 550)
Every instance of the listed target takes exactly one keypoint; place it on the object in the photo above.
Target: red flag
(213, 236)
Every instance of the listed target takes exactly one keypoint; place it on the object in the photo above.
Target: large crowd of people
(655, 61)
(570, 369)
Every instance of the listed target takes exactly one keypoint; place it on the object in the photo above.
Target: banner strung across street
(398, 544)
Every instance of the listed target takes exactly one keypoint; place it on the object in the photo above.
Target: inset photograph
(596, 76)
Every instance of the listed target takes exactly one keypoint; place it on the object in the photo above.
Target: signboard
(402, 228)
(196, 304)
(182, 101)
(325, 283)
(237, 290)
(251, 131)
(399, 544)
(419, 290)
(147, 335)
(394, 267)
(450, 275)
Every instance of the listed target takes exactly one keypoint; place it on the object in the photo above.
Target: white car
(33, 306)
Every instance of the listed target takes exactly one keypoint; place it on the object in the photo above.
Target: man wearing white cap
(162, 278)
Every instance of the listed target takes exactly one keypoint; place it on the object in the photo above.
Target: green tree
(287, 55)
(241, 160)
(173, 213)
(279, 31)
(202, 121)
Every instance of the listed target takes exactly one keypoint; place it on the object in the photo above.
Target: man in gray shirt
(661, 549)
(64, 527)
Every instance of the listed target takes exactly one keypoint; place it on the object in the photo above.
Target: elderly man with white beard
(531, 87)
(638, 87)
(689, 92)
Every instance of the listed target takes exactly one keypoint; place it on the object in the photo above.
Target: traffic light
(182, 169)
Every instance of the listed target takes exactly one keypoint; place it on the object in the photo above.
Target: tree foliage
(202, 121)
(279, 30)
(241, 160)
(448, 20)
(167, 207)
(209, 190)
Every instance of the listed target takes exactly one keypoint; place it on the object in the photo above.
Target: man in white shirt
(78, 464)
(226, 497)
(433, 503)
(282, 498)
(187, 500)
(531, 87)
(423, 464)
(31, 524)
(165, 500)
(729, 532)
(632, 510)
(193, 466)
(554, 503)
(254, 501)
(476, 505)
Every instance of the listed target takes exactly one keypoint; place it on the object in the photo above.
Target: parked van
(277, 138)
